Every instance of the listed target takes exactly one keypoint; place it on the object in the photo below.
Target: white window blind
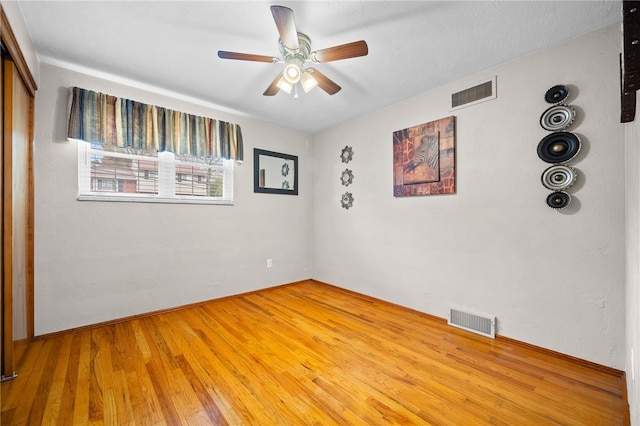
(112, 174)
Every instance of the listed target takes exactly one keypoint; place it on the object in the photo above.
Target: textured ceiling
(414, 46)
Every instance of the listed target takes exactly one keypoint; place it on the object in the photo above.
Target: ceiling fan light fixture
(292, 73)
(284, 85)
(307, 81)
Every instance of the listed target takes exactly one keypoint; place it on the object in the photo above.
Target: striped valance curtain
(98, 118)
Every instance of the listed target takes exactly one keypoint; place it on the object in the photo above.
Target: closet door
(2, 320)
(17, 200)
(17, 213)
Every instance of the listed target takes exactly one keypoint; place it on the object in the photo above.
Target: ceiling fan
(295, 48)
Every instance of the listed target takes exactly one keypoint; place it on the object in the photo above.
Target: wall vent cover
(472, 321)
(474, 95)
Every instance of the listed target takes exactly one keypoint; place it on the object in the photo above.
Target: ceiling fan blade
(344, 51)
(324, 82)
(286, 26)
(273, 87)
(246, 56)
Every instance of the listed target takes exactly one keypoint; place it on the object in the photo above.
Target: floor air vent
(474, 95)
(472, 321)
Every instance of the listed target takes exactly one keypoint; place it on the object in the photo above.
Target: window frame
(86, 191)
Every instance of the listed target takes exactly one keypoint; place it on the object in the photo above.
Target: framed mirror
(274, 172)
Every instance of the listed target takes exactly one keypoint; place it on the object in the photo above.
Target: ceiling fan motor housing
(302, 54)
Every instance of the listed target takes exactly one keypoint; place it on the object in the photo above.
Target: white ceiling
(414, 46)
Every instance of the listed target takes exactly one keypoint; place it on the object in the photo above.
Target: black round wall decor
(558, 147)
(558, 200)
(557, 94)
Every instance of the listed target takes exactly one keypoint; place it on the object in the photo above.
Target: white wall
(632, 293)
(553, 278)
(97, 261)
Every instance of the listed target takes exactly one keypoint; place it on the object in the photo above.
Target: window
(107, 173)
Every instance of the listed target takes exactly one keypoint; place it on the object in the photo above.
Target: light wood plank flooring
(301, 354)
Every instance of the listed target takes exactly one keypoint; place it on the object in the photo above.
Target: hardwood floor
(301, 354)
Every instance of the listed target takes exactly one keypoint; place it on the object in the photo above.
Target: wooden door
(2, 344)
(7, 231)
(18, 88)
(17, 215)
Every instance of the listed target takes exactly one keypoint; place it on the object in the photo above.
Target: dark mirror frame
(257, 187)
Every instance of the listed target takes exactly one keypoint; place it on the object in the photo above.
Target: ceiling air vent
(474, 95)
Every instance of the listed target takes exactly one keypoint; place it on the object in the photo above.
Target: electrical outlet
(269, 263)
